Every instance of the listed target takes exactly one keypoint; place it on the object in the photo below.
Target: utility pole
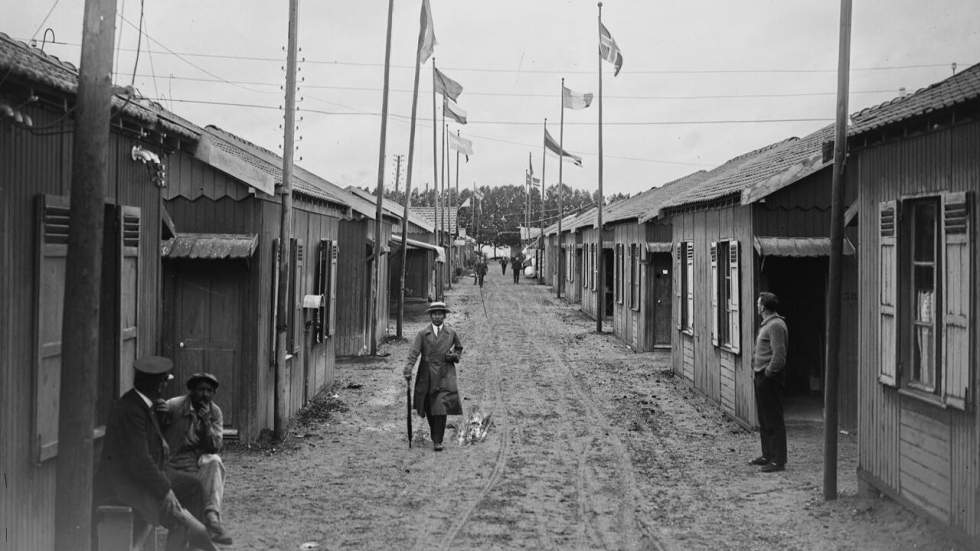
(379, 210)
(539, 248)
(561, 212)
(80, 337)
(281, 415)
(398, 171)
(600, 304)
(836, 257)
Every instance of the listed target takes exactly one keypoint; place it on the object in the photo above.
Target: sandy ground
(592, 447)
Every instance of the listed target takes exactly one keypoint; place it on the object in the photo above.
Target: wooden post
(379, 210)
(600, 284)
(283, 316)
(540, 245)
(408, 179)
(435, 176)
(80, 337)
(561, 211)
(398, 172)
(836, 254)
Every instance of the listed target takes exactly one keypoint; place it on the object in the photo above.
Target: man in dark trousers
(481, 270)
(134, 470)
(769, 365)
(503, 266)
(515, 267)
(437, 350)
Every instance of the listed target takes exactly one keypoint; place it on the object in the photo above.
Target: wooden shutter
(957, 299)
(129, 275)
(690, 285)
(734, 298)
(618, 280)
(320, 287)
(274, 311)
(635, 276)
(49, 295)
(331, 318)
(679, 282)
(714, 293)
(888, 293)
(296, 334)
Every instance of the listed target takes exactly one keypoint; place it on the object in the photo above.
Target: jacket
(186, 436)
(769, 354)
(435, 380)
(134, 456)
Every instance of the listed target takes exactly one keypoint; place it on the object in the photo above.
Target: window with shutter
(689, 287)
(274, 316)
(679, 279)
(734, 298)
(296, 297)
(51, 263)
(887, 282)
(129, 275)
(957, 299)
(332, 289)
(714, 293)
(319, 288)
(618, 280)
(635, 276)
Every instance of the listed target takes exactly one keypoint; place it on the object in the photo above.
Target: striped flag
(458, 143)
(446, 86)
(551, 144)
(452, 109)
(609, 50)
(571, 100)
(427, 36)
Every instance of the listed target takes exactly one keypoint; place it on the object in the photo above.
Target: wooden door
(209, 301)
(661, 299)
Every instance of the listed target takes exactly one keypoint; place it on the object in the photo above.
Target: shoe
(437, 447)
(216, 531)
(761, 460)
(773, 467)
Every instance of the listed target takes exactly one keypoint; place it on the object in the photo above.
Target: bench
(115, 527)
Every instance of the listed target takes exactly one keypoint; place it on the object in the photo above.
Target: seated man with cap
(134, 471)
(194, 435)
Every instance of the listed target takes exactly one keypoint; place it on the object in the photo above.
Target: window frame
(906, 297)
(634, 277)
(686, 303)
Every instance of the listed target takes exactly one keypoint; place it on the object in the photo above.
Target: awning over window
(798, 246)
(210, 246)
(440, 251)
(659, 247)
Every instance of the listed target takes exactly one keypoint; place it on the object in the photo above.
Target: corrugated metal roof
(210, 246)
(959, 88)
(798, 246)
(17, 59)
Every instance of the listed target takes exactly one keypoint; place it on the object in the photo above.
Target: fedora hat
(437, 307)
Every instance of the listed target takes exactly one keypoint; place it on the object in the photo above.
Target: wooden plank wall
(703, 226)
(573, 291)
(589, 295)
(629, 325)
(899, 435)
(352, 284)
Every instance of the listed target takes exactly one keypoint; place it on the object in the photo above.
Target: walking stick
(408, 410)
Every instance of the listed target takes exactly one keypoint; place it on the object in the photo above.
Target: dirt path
(592, 447)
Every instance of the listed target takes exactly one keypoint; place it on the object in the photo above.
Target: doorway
(608, 281)
(659, 283)
(204, 323)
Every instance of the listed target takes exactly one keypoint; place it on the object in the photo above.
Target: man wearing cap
(437, 350)
(194, 434)
(133, 470)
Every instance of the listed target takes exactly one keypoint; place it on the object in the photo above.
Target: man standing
(436, 392)
(503, 265)
(134, 471)
(769, 364)
(194, 434)
(481, 270)
(515, 267)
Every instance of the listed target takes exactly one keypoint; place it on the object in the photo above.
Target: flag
(551, 144)
(530, 171)
(465, 203)
(447, 86)
(450, 108)
(478, 195)
(609, 50)
(461, 144)
(571, 100)
(427, 36)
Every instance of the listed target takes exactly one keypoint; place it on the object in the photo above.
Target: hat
(437, 306)
(202, 377)
(153, 365)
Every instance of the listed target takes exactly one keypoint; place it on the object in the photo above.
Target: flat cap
(153, 365)
(197, 377)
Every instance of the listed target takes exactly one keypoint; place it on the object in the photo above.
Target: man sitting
(194, 435)
(133, 470)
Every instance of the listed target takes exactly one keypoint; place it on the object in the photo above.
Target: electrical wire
(139, 44)
(45, 20)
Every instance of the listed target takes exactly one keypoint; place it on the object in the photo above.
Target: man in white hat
(437, 350)
(134, 471)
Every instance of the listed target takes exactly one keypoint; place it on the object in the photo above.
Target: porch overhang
(412, 243)
(659, 247)
(210, 246)
(798, 246)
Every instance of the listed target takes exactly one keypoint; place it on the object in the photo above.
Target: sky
(702, 80)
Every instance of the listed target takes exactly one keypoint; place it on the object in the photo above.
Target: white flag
(571, 100)
(458, 143)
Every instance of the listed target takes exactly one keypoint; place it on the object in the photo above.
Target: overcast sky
(510, 55)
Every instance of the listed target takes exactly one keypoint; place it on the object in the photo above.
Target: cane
(408, 409)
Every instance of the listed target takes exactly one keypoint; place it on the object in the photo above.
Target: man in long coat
(437, 349)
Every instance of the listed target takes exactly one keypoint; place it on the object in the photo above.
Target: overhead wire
(139, 43)
(45, 20)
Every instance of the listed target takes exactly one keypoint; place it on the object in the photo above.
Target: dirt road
(592, 447)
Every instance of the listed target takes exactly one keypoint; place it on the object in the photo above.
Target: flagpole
(378, 242)
(442, 198)
(561, 212)
(408, 182)
(540, 248)
(455, 202)
(600, 284)
(435, 174)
